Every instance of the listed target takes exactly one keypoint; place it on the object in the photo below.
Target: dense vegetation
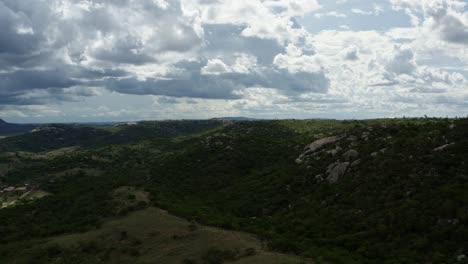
(7, 129)
(405, 201)
(49, 137)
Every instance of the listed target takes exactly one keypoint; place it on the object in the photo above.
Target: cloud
(351, 54)
(361, 12)
(242, 63)
(216, 67)
(372, 68)
(402, 62)
(447, 18)
(198, 49)
(452, 29)
(216, 82)
(330, 14)
(377, 10)
(218, 55)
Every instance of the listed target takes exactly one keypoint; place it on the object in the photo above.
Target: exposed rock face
(351, 155)
(335, 151)
(443, 147)
(336, 170)
(382, 151)
(319, 177)
(461, 257)
(365, 135)
(355, 163)
(318, 144)
(315, 146)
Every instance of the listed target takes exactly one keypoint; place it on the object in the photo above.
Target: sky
(121, 60)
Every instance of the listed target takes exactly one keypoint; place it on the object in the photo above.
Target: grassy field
(154, 236)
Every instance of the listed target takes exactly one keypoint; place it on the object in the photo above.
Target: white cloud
(243, 63)
(330, 14)
(345, 27)
(447, 18)
(215, 66)
(377, 10)
(361, 12)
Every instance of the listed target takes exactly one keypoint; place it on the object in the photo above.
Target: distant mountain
(8, 129)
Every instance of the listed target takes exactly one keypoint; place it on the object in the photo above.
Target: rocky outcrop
(351, 155)
(382, 151)
(365, 135)
(335, 151)
(299, 160)
(318, 144)
(355, 163)
(461, 257)
(314, 151)
(443, 147)
(336, 170)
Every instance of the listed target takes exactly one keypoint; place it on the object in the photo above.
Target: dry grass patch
(153, 236)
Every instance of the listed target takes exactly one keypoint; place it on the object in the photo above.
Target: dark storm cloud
(62, 83)
(36, 79)
(38, 87)
(223, 86)
(196, 87)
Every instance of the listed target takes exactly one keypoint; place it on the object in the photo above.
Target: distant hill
(55, 136)
(8, 129)
(235, 118)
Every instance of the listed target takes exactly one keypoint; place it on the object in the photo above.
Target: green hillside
(54, 136)
(375, 191)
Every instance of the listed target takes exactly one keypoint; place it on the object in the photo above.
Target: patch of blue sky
(375, 15)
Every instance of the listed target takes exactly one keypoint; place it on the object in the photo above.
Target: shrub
(217, 256)
(189, 261)
(250, 252)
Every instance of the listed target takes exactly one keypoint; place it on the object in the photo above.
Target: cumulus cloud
(402, 62)
(201, 49)
(351, 54)
(240, 56)
(446, 17)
